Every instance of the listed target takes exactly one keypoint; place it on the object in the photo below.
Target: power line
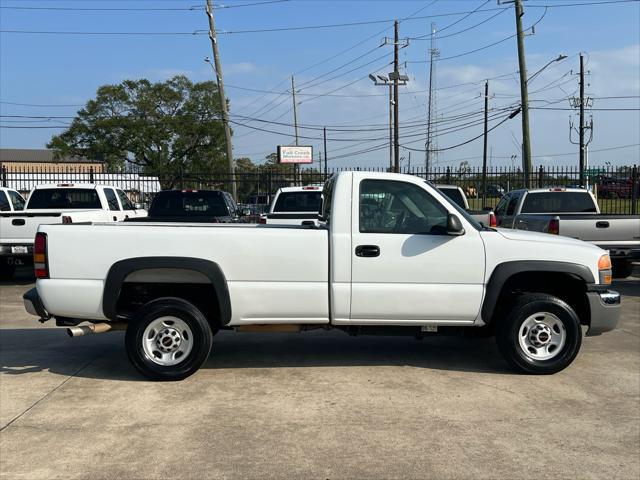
(140, 9)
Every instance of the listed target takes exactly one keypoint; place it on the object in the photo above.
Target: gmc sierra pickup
(392, 256)
(58, 203)
(573, 212)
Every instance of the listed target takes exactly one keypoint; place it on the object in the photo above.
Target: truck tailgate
(21, 227)
(601, 229)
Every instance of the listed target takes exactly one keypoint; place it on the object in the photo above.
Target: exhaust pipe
(95, 328)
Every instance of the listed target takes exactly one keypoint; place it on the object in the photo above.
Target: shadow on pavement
(104, 357)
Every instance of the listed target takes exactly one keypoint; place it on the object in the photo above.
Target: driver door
(405, 267)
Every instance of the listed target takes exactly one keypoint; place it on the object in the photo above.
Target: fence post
(91, 175)
(540, 176)
(4, 175)
(448, 174)
(634, 190)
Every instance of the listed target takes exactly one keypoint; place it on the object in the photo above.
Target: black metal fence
(617, 188)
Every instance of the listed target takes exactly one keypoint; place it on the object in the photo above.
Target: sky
(55, 74)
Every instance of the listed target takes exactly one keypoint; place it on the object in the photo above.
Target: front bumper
(34, 306)
(605, 310)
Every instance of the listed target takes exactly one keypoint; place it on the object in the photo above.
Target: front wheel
(541, 334)
(169, 339)
(622, 268)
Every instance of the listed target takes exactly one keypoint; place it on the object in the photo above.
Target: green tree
(166, 128)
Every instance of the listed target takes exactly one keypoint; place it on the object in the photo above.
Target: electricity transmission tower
(431, 147)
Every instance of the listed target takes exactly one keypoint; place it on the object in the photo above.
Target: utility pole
(524, 95)
(396, 109)
(324, 134)
(484, 152)
(295, 125)
(581, 120)
(393, 81)
(223, 100)
(582, 102)
(430, 146)
(390, 128)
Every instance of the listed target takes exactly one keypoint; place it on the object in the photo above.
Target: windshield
(177, 203)
(463, 213)
(64, 198)
(305, 201)
(558, 202)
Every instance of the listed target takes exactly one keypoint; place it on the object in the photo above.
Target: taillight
(554, 226)
(604, 269)
(40, 266)
(492, 220)
(262, 220)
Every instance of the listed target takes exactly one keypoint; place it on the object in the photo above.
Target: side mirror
(245, 212)
(137, 206)
(454, 226)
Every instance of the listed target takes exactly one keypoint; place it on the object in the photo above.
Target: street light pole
(524, 95)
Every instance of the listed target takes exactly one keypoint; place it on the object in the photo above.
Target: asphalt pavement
(315, 405)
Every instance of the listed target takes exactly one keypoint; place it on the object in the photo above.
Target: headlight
(604, 268)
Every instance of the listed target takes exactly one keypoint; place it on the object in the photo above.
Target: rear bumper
(17, 250)
(605, 310)
(34, 306)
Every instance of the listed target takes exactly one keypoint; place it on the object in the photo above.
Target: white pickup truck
(58, 203)
(294, 205)
(392, 256)
(573, 212)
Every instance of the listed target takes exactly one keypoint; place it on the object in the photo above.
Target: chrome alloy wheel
(542, 336)
(167, 341)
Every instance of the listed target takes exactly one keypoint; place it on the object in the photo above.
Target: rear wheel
(541, 334)
(169, 339)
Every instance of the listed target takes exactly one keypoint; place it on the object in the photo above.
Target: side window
(111, 199)
(390, 206)
(4, 203)
(502, 205)
(124, 200)
(513, 203)
(17, 200)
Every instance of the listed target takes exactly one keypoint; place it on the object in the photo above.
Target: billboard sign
(295, 154)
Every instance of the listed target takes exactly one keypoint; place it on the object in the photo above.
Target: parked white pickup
(392, 255)
(48, 204)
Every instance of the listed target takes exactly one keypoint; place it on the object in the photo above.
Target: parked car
(455, 193)
(413, 263)
(294, 205)
(253, 212)
(11, 200)
(59, 203)
(573, 212)
(194, 206)
(616, 188)
(495, 191)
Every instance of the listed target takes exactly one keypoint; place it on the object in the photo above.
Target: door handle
(367, 251)
(18, 221)
(602, 224)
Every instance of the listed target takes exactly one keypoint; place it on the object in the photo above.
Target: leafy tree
(165, 128)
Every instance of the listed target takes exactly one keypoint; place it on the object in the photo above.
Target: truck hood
(525, 236)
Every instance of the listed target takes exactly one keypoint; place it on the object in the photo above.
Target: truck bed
(268, 268)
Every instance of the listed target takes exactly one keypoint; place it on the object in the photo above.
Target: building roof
(35, 155)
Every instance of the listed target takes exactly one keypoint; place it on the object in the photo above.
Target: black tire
(508, 332)
(621, 268)
(6, 270)
(201, 338)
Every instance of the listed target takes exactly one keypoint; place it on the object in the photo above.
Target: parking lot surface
(315, 405)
